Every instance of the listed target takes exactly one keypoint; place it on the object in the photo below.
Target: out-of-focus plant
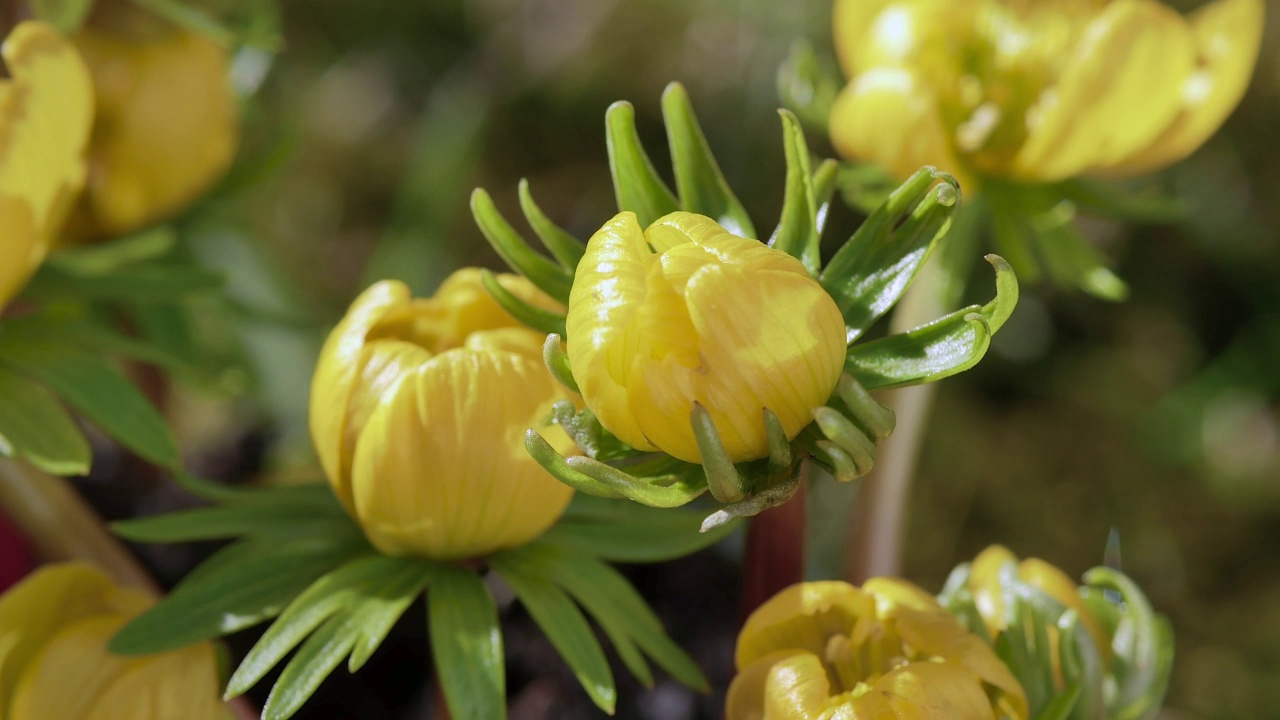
(419, 412)
(1025, 102)
(54, 626)
(681, 341)
(1093, 652)
(887, 649)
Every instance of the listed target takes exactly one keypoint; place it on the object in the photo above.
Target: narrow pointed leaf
(824, 188)
(563, 624)
(318, 656)
(567, 249)
(942, 348)
(636, 184)
(235, 520)
(634, 534)
(1072, 261)
(466, 643)
(34, 426)
(557, 362)
(797, 232)
(541, 270)
(700, 183)
(868, 275)
(92, 386)
(144, 283)
(541, 320)
(379, 611)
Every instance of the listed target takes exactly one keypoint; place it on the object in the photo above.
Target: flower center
(854, 662)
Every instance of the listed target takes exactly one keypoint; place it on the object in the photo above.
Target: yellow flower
(166, 125)
(1037, 90)
(832, 651)
(988, 585)
(54, 664)
(46, 110)
(419, 409)
(686, 312)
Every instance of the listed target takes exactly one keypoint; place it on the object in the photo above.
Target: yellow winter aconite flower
(166, 125)
(419, 409)
(989, 591)
(46, 110)
(54, 664)
(1037, 90)
(832, 651)
(685, 312)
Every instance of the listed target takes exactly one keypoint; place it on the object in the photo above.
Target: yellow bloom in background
(987, 583)
(1037, 90)
(419, 409)
(830, 650)
(46, 110)
(54, 664)
(166, 127)
(685, 312)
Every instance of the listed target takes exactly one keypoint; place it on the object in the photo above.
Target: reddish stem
(774, 555)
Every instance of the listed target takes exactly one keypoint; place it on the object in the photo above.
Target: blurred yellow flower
(54, 664)
(987, 582)
(832, 651)
(1037, 90)
(419, 409)
(686, 312)
(46, 110)
(166, 126)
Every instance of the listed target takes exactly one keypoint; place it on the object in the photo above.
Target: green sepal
(636, 183)
(628, 533)
(544, 273)
(35, 427)
(808, 85)
(541, 320)
(97, 390)
(723, 479)
(1143, 646)
(699, 182)
(940, 349)
(466, 643)
(565, 248)
(797, 231)
(871, 271)
(563, 624)
(557, 363)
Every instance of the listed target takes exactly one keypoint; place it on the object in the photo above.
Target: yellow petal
(801, 617)
(337, 371)
(182, 684)
(440, 467)
(1057, 585)
(166, 130)
(796, 688)
(987, 581)
(851, 22)
(890, 117)
(1119, 89)
(1228, 35)
(608, 289)
(75, 657)
(745, 700)
(46, 110)
(925, 691)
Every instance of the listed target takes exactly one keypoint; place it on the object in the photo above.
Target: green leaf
(808, 85)
(871, 271)
(615, 604)
(1143, 647)
(65, 15)
(331, 595)
(563, 624)
(150, 282)
(234, 520)
(189, 17)
(797, 231)
(940, 349)
(91, 385)
(1132, 205)
(635, 182)
(1062, 705)
(700, 183)
(378, 612)
(624, 532)
(535, 317)
(1071, 260)
(563, 246)
(318, 656)
(541, 271)
(34, 426)
(232, 596)
(466, 643)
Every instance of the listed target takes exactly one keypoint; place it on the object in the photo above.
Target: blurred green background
(1157, 419)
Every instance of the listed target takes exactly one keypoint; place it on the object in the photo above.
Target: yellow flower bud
(1037, 91)
(54, 663)
(825, 650)
(166, 126)
(686, 312)
(419, 409)
(46, 110)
